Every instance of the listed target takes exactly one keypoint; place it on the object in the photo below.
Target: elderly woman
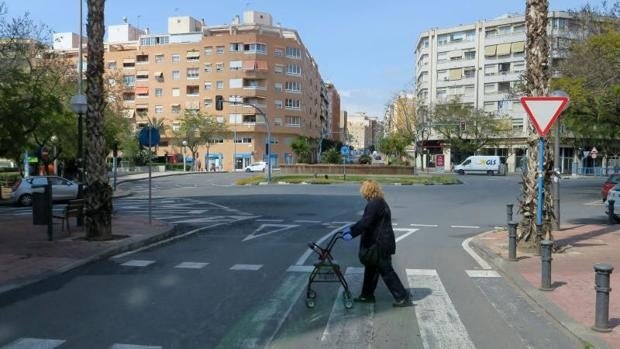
(377, 246)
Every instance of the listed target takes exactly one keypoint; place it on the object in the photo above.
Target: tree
(395, 147)
(301, 148)
(402, 117)
(98, 193)
(536, 84)
(198, 129)
(333, 156)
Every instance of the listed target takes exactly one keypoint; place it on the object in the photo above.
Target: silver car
(614, 195)
(62, 189)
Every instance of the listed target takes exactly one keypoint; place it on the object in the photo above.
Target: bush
(177, 167)
(332, 156)
(365, 159)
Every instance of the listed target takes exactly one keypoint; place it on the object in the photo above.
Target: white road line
(594, 203)
(34, 343)
(251, 267)
(191, 265)
(349, 328)
(133, 346)
(137, 263)
(196, 211)
(408, 232)
(483, 274)
(307, 221)
(268, 229)
(440, 324)
(423, 225)
(465, 226)
(394, 224)
(304, 257)
(271, 220)
(483, 264)
(165, 241)
(301, 268)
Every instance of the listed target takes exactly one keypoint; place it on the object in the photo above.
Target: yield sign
(543, 111)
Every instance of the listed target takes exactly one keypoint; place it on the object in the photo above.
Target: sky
(365, 48)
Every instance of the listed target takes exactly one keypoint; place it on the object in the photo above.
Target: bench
(75, 208)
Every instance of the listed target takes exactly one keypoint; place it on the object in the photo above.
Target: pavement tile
(572, 271)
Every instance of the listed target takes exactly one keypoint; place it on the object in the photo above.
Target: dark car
(609, 183)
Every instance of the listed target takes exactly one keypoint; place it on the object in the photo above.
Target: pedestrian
(377, 245)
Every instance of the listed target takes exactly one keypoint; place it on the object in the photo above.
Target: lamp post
(54, 139)
(556, 166)
(184, 145)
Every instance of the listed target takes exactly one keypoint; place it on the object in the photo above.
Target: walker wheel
(311, 294)
(310, 303)
(348, 303)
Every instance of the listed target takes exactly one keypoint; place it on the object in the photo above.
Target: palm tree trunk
(537, 84)
(98, 193)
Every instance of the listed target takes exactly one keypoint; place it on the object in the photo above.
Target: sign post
(543, 112)
(149, 136)
(344, 151)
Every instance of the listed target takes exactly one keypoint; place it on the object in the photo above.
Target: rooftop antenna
(125, 19)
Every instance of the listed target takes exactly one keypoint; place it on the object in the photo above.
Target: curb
(578, 330)
(131, 244)
(119, 180)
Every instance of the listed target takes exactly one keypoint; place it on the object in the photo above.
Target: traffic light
(462, 125)
(219, 102)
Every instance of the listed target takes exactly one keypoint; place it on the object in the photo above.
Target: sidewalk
(572, 301)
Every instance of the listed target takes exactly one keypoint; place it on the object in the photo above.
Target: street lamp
(80, 107)
(54, 139)
(184, 145)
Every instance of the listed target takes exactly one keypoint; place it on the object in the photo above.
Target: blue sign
(345, 150)
(147, 140)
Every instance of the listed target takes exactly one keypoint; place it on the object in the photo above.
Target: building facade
(261, 70)
(481, 64)
(363, 130)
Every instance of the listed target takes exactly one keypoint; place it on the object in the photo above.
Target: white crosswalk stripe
(191, 265)
(133, 346)
(252, 267)
(137, 263)
(482, 274)
(34, 343)
(440, 324)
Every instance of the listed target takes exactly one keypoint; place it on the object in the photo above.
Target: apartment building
(363, 130)
(262, 70)
(400, 113)
(481, 64)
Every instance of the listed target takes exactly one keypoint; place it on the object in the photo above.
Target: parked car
(613, 194)
(62, 189)
(610, 182)
(256, 167)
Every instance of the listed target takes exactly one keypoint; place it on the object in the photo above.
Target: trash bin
(41, 207)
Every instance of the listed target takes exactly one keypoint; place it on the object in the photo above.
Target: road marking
(196, 211)
(191, 265)
(133, 346)
(304, 257)
(200, 220)
(270, 220)
(349, 328)
(595, 203)
(137, 263)
(423, 225)
(465, 226)
(265, 228)
(252, 267)
(307, 221)
(394, 224)
(408, 232)
(301, 268)
(483, 274)
(440, 324)
(34, 343)
(483, 264)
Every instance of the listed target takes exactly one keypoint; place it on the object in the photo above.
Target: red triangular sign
(543, 111)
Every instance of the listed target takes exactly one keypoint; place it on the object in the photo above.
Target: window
(278, 104)
(442, 39)
(504, 30)
(208, 102)
(129, 80)
(176, 58)
(503, 87)
(129, 63)
(176, 108)
(278, 52)
(293, 69)
(293, 121)
(235, 65)
(244, 139)
(235, 83)
(255, 48)
(235, 47)
(234, 118)
(249, 119)
(176, 92)
(216, 140)
(192, 90)
(208, 50)
(159, 109)
(193, 73)
(277, 86)
(518, 67)
(277, 121)
(220, 119)
(176, 126)
(159, 58)
(469, 72)
(490, 88)
(208, 67)
(503, 68)
(279, 68)
(518, 28)
(142, 111)
(142, 75)
(129, 96)
(219, 50)
(176, 75)
(293, 52)
(142, 59)
(159, 92)
(469, 55)
(219, 67)
(142, 91)
(112, 65)
(442, 57)
(292, 86)
(154, 40)
(489, 33)
(237, 99)
(192, 56)
(219, 84)
(207, 85)
(292, 103)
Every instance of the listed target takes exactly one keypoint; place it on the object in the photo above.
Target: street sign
(345, 150)
(147, 140)
(543, 111)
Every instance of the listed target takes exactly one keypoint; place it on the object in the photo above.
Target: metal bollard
(545, 258)
(509, 213)
(512, 240)
(612, 218)
(601, 279)
(539, 238)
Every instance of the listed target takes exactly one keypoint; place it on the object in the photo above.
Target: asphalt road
(237, 280)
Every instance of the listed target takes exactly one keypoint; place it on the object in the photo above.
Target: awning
(518, 47)
(248, 65)
(213, 156)
(142, 72)
(503, 49)
(261, 65)
(142, 90)
(455, 74)
(193, 54)
(142, 106)
(454, 54)
(129, 113)
(243, 155)
(490, 50)
(175, 105)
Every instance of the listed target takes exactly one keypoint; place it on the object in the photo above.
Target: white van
(489, 164)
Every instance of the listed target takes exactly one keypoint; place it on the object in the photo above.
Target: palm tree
(537, 84)
(98, 193)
